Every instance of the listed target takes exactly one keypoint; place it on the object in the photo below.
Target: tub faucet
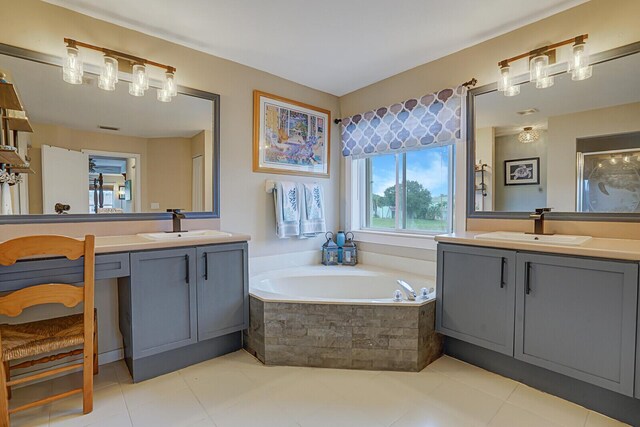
(408, 290)
(538, 218)
(177, 215)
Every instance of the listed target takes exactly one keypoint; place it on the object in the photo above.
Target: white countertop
(597, 247)
(106, 244)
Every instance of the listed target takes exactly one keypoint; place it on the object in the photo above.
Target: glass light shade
(72, 69)
(538, 68)
(504, 82)
(164, 96)
(135, 90)
(528, 135)
(579, 64)
(108, 74)
(140, 77)
(169, 84)
(545, 82)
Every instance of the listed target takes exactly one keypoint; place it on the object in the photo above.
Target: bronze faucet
(177, 215)
(538, 217)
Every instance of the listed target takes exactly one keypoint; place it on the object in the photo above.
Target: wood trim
(13, 304)
(43, 374)
(89, 323)
(256, 135)
(45, 400)
(47, 359)
(22, 247)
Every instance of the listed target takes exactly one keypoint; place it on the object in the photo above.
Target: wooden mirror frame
(609, 55)
(142, 216)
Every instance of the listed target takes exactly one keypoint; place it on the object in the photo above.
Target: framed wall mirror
(98, 155)
(574, 146)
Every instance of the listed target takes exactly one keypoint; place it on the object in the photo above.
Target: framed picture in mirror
(522, 171)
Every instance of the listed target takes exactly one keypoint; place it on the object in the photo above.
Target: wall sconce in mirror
(73, 71)
(121, 192)
(539, 61)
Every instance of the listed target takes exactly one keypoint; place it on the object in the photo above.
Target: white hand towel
(286, 200)
(312, 221)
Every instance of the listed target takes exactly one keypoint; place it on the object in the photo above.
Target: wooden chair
(37, 338)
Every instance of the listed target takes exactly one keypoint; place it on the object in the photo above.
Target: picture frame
(290, 137)
(522, 171)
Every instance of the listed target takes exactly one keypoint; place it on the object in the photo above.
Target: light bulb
(108, 74)
(545, 82)
(72, 69)
(512, 91)
(169, 84)
(579, 64)
(140, 80)
(163, 96)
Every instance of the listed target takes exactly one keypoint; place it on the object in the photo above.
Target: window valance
(431, 120)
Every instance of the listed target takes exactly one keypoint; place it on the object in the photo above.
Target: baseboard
(110, 356)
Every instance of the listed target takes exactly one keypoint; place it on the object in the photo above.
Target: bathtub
(341, 317)
(337, 285)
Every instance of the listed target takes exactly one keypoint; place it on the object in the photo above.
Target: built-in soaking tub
(341, 317)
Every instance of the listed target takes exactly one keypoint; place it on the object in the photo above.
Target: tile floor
(237, 391)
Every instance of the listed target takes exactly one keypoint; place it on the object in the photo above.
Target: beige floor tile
(105, 378)
(465, 402)
(418, 382)
(108, 402)
(180, 408)
(121, 420)
(510, 416)
(550, 407)
(598, 420)
(220, 389)
(301, 395)
(340, 414)
(430, 414)
(473, 376)
(255, 413)
(152, 389)
(207, 422)
(35, 417)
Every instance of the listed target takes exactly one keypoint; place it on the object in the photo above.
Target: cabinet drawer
(34, 272)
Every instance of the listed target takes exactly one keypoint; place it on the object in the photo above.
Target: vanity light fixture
(528, 135)
(73, 70)
(539, 62)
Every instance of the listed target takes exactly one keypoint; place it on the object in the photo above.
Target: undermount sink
(183, 235)
(551, 239)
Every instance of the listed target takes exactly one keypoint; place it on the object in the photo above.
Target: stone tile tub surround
(290, 326)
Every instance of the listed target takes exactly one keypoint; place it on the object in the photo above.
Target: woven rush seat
(43, 336)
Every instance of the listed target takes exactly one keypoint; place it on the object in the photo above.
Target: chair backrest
(12, 250)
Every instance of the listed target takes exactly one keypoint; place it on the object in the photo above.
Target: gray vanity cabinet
(163, 295)
(223, 288)
(577, 316)
(476, 295)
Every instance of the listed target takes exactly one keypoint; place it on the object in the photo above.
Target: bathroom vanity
(180, 302)
(569, 310)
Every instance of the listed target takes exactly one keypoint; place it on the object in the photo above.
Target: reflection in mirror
(98, 152)
(573, 146)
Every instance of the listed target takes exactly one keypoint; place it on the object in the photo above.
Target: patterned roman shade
(429, 121)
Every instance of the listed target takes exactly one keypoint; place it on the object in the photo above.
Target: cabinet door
(577, 316)
(223, 287)
(163, 299)
(476, 295)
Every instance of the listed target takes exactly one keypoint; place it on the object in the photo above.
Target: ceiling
(613, 83)
(336, 46)
(48, 99)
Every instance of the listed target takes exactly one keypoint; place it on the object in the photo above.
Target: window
(412, 191)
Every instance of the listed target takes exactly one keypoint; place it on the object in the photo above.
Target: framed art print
(522, 171)
(290, 137)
